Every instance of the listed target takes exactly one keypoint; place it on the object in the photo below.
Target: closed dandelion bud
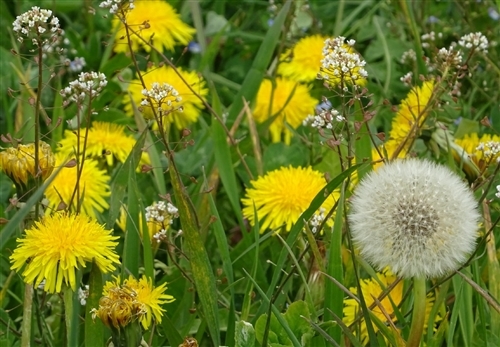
(416, 217)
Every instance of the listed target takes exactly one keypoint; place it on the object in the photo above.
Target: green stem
(71, 325)
(27, 315)
(418, 316)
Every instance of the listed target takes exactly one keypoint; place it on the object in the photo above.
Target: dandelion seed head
(414, 216)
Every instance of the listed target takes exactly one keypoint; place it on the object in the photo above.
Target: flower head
(104, 139)
(156, 22)
(187, 109)
(287, 102)
(341, 65)
(57, 245)
(163, 97)
(87, 85)
(302, 62)
(93, 184)
(476, 41)
(414, 216)
(282, 195)
(159, 218)
(35, 24)
(134, 299)
(19, 163)
(373, 289)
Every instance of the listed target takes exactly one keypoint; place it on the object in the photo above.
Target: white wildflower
(88, 84)
(474, 41)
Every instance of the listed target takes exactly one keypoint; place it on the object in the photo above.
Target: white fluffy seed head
(416, 217)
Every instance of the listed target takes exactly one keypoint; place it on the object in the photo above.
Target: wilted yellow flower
(190, 103)
(482, 150)
(93, 184)
(19, 163)
(134, 299)
(285, 101)
(104, 140)
(341, 65)
(371, 290)
(303, 61)
(57, 245)
(282, 195)
(156, 22)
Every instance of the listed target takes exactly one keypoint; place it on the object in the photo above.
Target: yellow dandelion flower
(371, 290)
(303, 62)
(104, 139)
(57, 245)
(406, 124)
(412, 114)
(282, 195)
(190, 103)
(156, 22)
(482, 150)
(93, 185)
(287, 102)
(122, 303)
(19, 163)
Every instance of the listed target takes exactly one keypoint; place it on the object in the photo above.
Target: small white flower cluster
(408, 56)
(428, 37)
(161, 213)
(450, 56)
(83, 294)
(317, 220)
(406, 79)
(162, 94)
(497, 194)
(324, 120)
(340, 61)
(160, 236)
(114, 5)
(473, 41)
(87, 84)
(490, 149)
(36, 21)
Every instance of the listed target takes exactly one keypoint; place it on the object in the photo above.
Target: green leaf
(121, 181)
(256, 73)
(334, 296)
(245, 334)
(94, 329)
(278, 335)
(198, 258)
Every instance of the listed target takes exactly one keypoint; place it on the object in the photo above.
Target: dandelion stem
(418, 316)
(27, 314)
(69, 315)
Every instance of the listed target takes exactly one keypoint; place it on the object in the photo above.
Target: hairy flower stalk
(419, 219)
